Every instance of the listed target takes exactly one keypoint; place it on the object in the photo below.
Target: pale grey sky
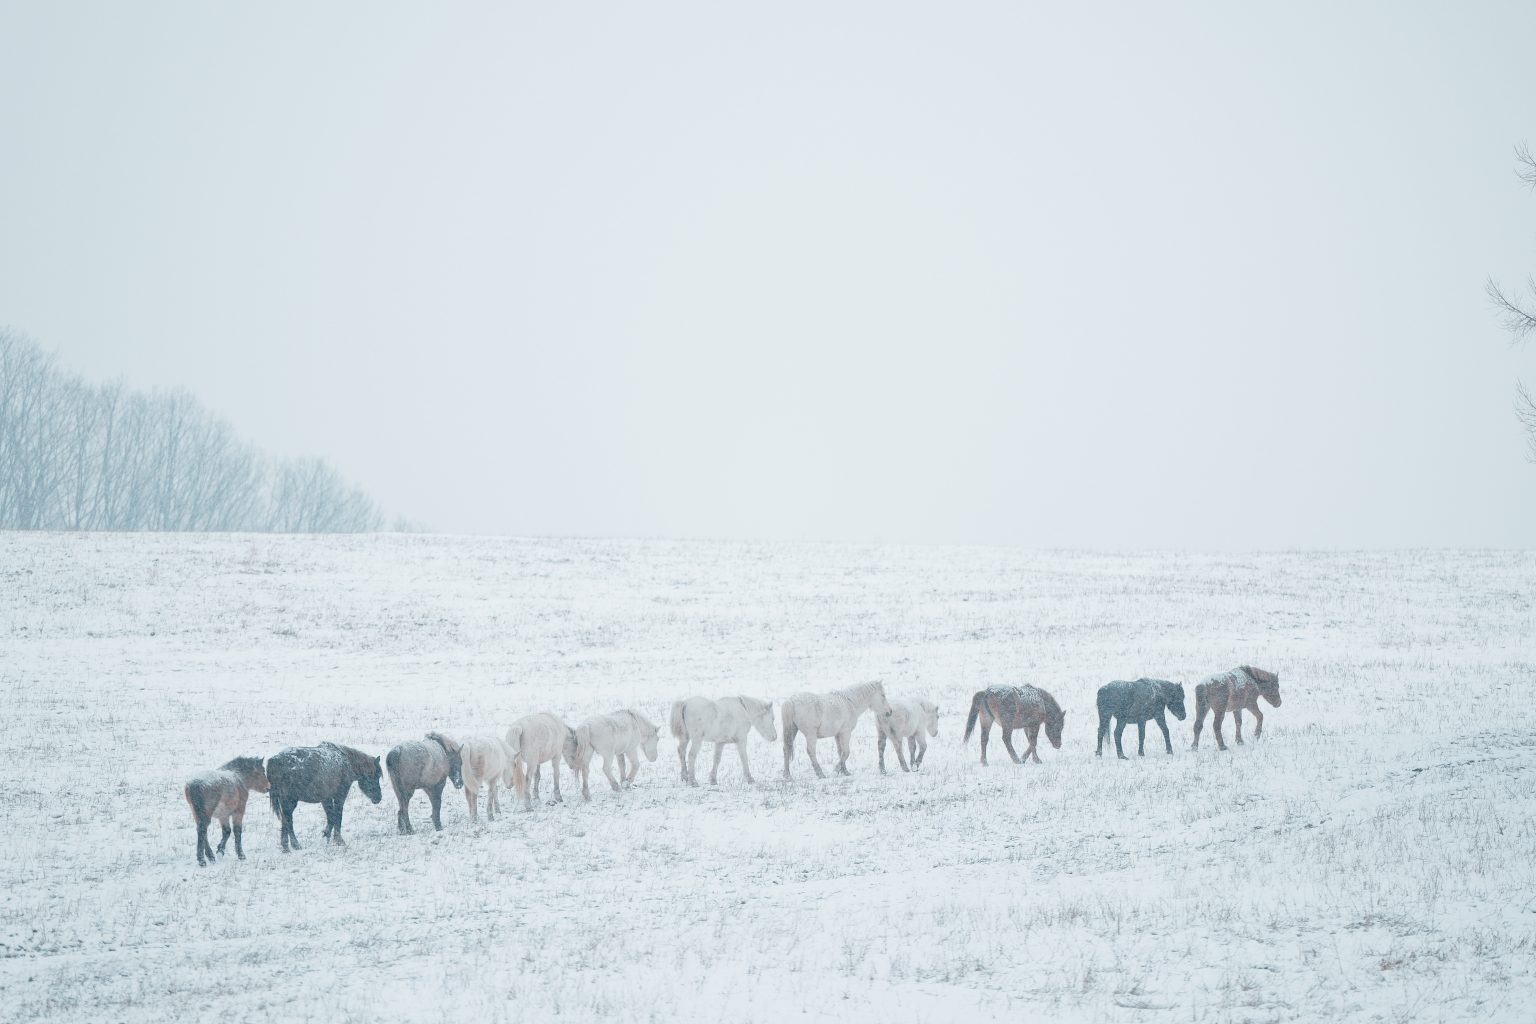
(1065, 274)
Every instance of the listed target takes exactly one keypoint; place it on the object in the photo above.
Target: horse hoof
(1124, 758)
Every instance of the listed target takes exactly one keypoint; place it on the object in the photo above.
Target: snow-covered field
(1373, 857)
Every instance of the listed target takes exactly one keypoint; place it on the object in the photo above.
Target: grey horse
(1138, 702)
(423, 764)
(319, 775)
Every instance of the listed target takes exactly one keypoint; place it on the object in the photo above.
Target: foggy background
(1101, 276)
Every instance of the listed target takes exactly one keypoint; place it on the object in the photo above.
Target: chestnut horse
(1016, 707)
(1235, 691)
(222, 794)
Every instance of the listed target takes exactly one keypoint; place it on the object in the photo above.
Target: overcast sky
(1056, 274)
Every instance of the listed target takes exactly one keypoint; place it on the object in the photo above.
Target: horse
(619, 736)
(1137, 702)
(533, 740)
(820, 715)
(1016, 707)
(1234, 691)
(699, 720)
(425, 765)
(484, 758)
(319, 775)
(908, 721)
(222, 794)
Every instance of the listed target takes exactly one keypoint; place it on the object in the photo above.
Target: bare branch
(1526, 169)
(1518, 320)
(1525, 409)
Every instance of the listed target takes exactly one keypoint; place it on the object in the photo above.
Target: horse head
(253, 774)
(1268, 683)
(576, 747)
(878, 701)
(1053, 724)
(648, 744)
(455, 758)
(762, 718)
(1173, 696)
(930, 717)
(368, 779)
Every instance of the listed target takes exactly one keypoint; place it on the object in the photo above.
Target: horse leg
(202, 839)
(336, 825)
(1162, 723)
(1258, 720)
(919, 750)
(1219, 714)
(746, 766)
(1119, 730)
(1008, 741)
(842, 752)
(608, 770)
(901, 757)
(1032, 730)
(1199, 724)
(986, 731)
(239, 830)
(682, 758)
(492, 798)
(538, 777)
(554, 769)
(714, 769)
(289, 806)
(810, 752)
(435, 796)
(472, 797)
(1103, 732)
(1141, 738)
(633, 758)
(789, 744)
(224, 839)
(880, 745)
(690, 774)
(1237, 722)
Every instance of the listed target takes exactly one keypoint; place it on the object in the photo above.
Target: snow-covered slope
(1372, 857)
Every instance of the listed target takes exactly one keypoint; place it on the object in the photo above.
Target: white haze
(1098, 274)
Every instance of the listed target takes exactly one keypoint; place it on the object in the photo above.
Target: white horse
(485, 758)
(534, 739)
(820, 715)
(908, 721)
(728, 720)
(616, 737)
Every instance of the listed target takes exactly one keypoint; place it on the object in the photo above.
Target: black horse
(1137, 702)
(319, 775)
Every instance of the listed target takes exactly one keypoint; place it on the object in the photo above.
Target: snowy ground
(1372, 858)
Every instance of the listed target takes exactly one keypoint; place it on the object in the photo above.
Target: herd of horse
(324, 774)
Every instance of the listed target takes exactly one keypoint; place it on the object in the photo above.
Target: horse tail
(970, 722)
(275, 797)
(787, 716)
(193, 791)
(677, 720)
(392, 763)
(1202, 700)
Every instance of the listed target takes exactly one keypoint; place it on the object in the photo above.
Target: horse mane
(862, 689)
(753, 705)
(361, 763)
(1053, 710)
(1261, 676)
(448, 745)
(641, 722)
(241, 765)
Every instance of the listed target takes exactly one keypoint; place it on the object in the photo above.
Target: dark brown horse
(1016, 707)
(222, 794)
(1235, 691)
(319, 775)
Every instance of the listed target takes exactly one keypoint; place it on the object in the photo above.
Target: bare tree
(1517, 313)
(81, 457)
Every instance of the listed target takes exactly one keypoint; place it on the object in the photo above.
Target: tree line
(82, 456)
